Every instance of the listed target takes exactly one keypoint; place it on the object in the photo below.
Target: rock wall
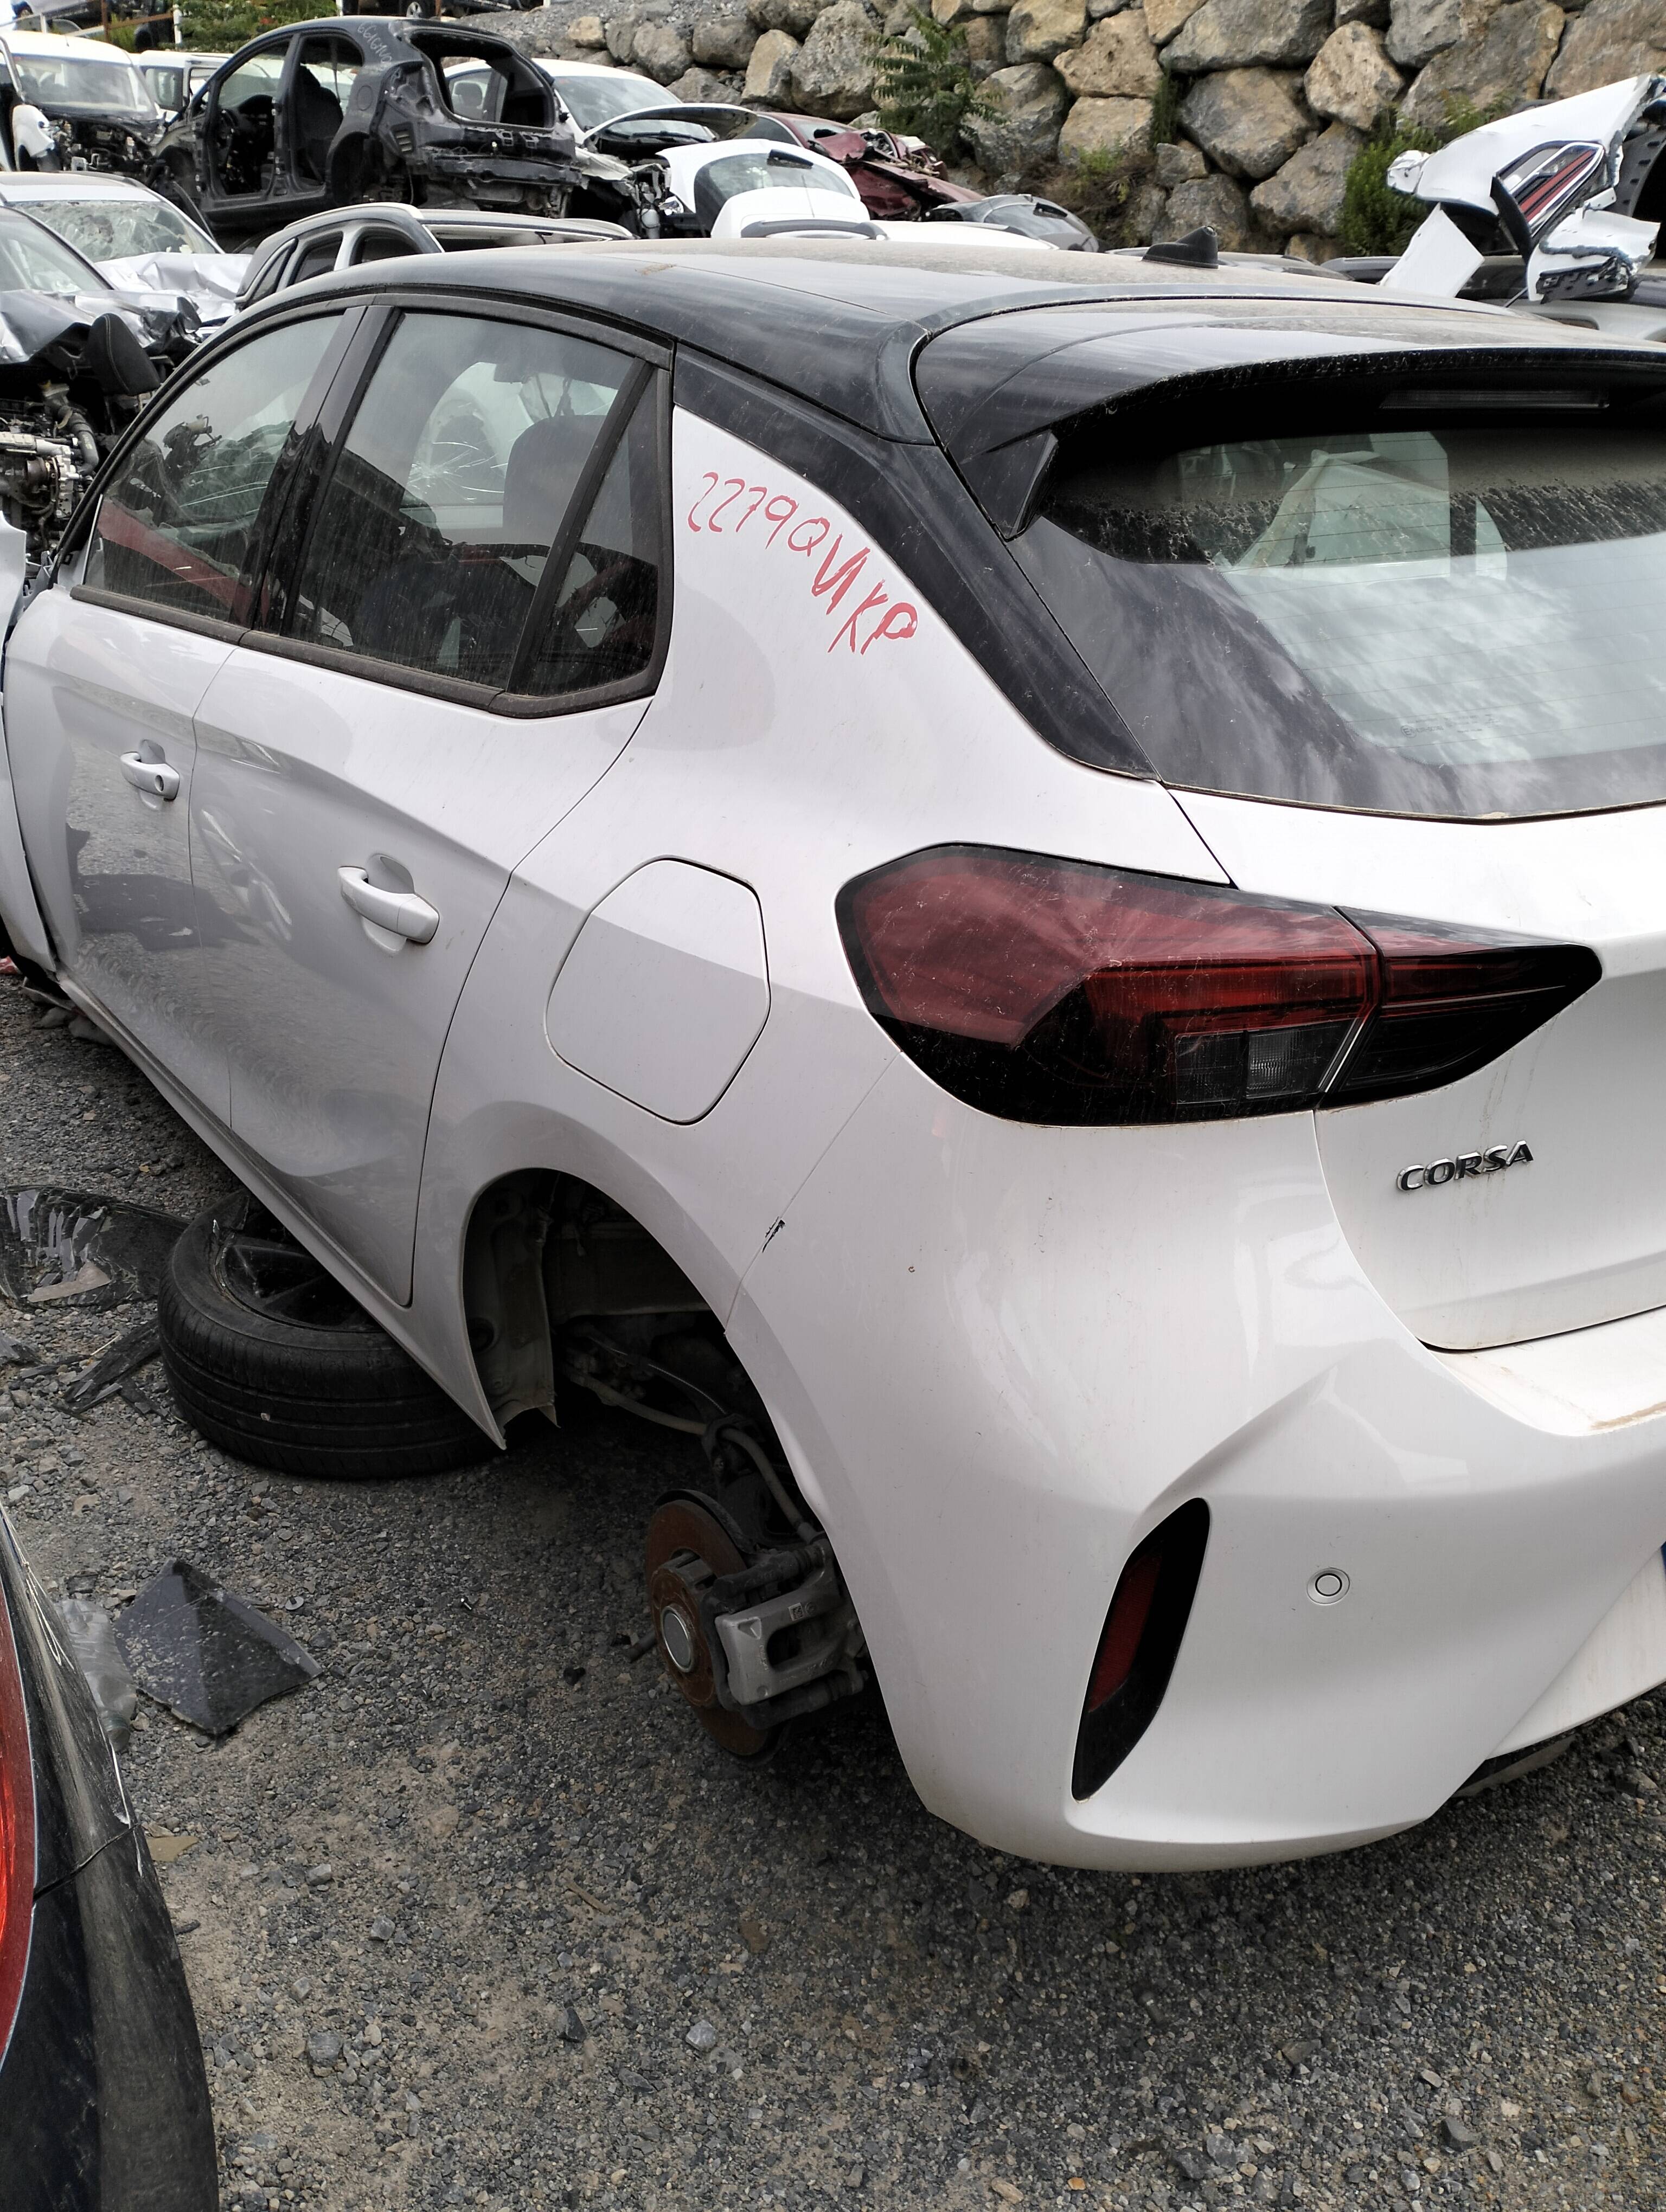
(1273, 98)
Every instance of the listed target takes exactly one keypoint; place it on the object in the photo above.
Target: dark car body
(322, 114)
(104, 2103)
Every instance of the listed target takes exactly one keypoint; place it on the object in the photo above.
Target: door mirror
(116, 361)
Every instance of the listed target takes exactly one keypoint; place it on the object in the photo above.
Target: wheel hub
(689, 1545)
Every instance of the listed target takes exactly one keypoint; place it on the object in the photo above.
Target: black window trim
(332, 400)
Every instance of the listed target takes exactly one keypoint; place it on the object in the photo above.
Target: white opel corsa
(1027, 894)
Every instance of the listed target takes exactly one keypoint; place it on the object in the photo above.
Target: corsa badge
(1493, 1161)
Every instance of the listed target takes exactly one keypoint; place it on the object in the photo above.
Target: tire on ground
(295, 1396)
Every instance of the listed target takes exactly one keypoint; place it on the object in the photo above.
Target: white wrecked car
(139, 242)
(1575, 190)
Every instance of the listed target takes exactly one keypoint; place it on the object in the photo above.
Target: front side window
(1443, 618)
(179, 525)
(462, 471)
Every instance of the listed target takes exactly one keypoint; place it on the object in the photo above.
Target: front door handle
(155, 778)
(402, 912)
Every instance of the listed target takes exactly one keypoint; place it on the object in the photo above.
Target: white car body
(184, 259)
(1587, 259)
(738, 181)
(1001, 1354)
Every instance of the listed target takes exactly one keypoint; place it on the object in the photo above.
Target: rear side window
(179, 525)
(479, 450)
(1421, 615)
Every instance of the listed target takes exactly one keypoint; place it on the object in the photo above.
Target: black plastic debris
(131, 1351)
(205, 1654)
(77, 1248)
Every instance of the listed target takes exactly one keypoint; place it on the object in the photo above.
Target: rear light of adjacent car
(16, 1832)
(1139, 1645)
(1057, 991)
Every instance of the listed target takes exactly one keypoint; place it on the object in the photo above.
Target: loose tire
(272, 1361)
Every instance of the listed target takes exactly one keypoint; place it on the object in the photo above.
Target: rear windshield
(1414, 617)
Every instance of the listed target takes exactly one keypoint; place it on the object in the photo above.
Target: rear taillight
(16, 1832)
(1047, 990)
(1139, 1645)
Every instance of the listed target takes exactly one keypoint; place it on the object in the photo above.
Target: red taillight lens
(1138, 1643)
(1049, 990)
(16, 1832)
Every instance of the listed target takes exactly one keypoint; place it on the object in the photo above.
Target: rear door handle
(402, 912)
(153, 777)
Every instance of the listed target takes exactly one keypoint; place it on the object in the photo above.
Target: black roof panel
(839, 322)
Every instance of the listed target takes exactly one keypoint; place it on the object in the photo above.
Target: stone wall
(1274, 97)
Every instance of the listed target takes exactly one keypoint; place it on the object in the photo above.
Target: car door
(462, 631)
(104, 672)
(238, 169)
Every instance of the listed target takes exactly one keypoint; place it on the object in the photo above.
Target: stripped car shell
(268, 141)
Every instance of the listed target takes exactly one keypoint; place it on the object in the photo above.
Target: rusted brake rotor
(688, 1545)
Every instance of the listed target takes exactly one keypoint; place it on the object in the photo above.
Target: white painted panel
(666, 990)
(1625, 1657)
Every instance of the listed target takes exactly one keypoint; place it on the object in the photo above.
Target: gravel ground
(479, 1917)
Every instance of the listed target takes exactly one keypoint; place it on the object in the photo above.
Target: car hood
(210, 281)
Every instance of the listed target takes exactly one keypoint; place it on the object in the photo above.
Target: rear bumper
(104, 2103)
(1002, 1354)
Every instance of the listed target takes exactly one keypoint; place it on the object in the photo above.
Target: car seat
(317, 114)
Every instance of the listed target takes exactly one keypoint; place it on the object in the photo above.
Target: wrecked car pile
(313, 117)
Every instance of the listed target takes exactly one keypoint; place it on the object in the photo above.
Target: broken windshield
(89, 86)
(1450, 620)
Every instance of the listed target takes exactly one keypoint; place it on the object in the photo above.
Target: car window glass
(602, 627)
(766, 169)
(33, 260)
(430, 537)
(121, 229)
(1319, 617)
(178, 523)
(82, 83)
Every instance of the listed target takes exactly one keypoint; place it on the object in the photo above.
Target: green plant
(1166, 112)
(925, 84)
(220, 26)
(1100, 187)
(1376, 219)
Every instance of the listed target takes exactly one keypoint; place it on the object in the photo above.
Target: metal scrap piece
(207, 1655)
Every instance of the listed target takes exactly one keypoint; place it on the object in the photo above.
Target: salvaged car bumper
(996, 1424)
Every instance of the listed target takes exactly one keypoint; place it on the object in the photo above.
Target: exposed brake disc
(691, 1541)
